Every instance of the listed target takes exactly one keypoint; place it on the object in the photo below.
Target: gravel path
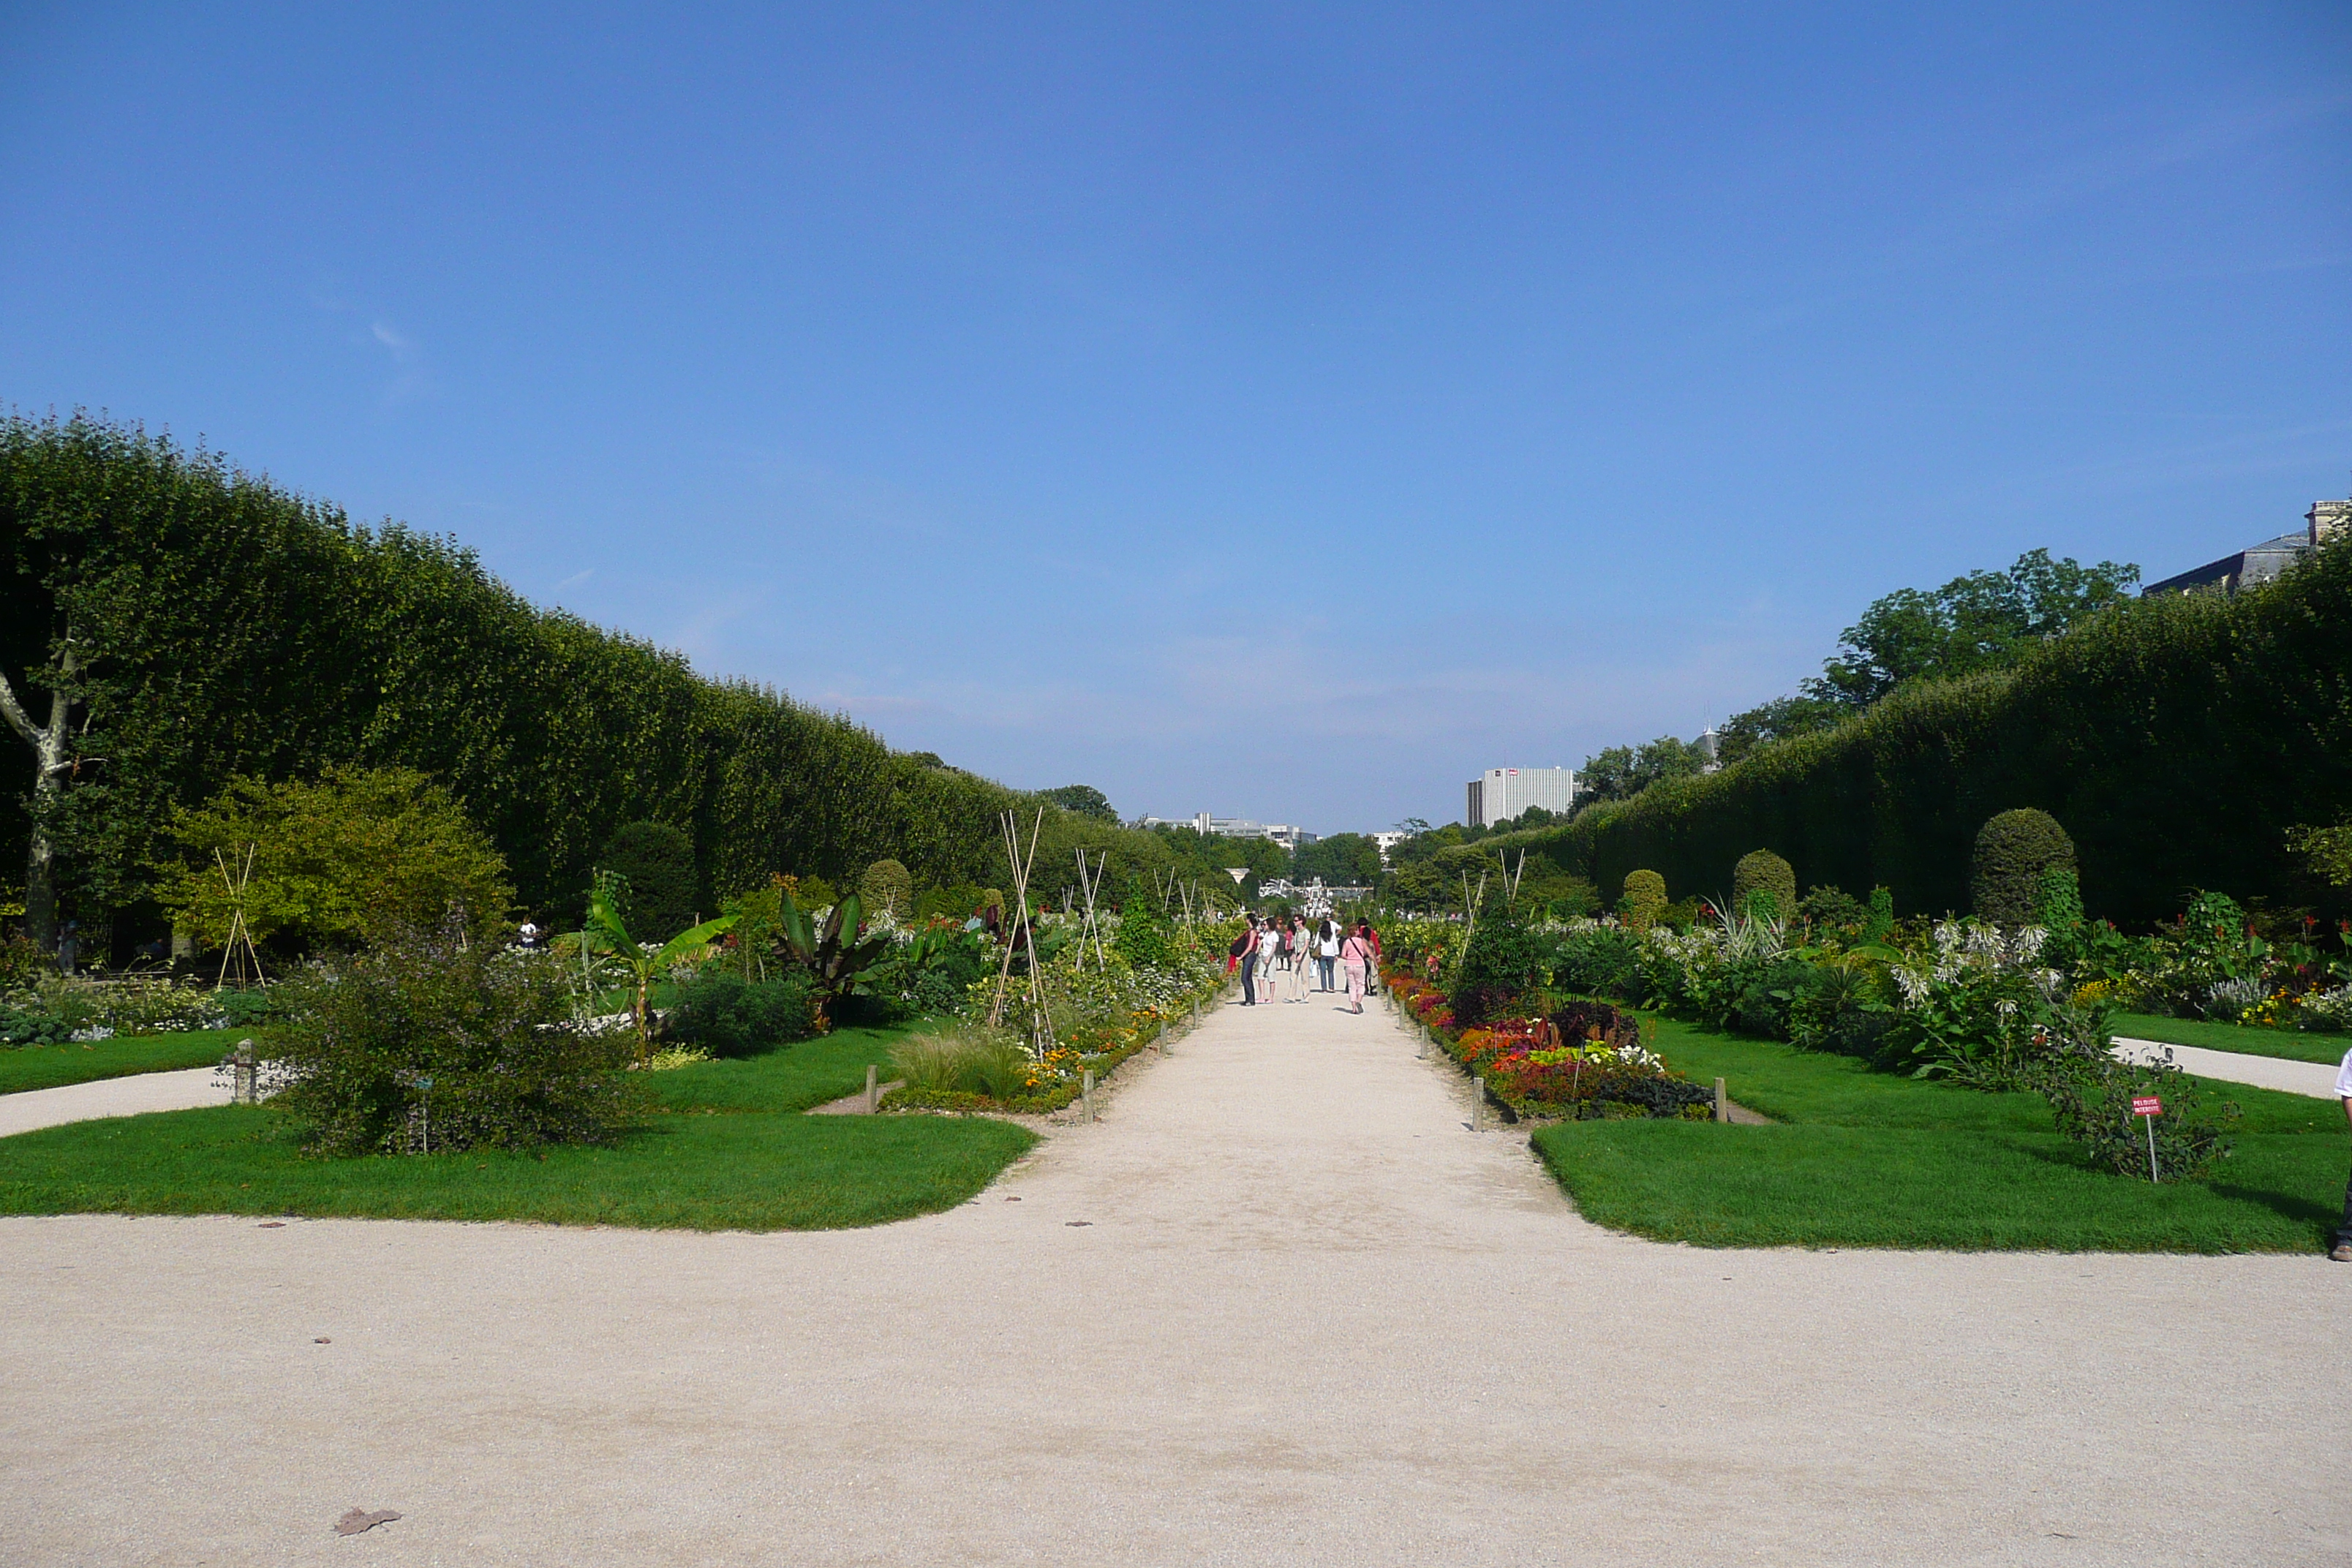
(2236, 1067)
(131, 1096)
(1280, 1306)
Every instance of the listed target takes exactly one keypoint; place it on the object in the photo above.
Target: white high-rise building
(1501, 793)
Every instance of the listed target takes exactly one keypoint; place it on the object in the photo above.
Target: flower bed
(1587, 1061)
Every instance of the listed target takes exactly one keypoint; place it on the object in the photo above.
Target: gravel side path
(1280, 1306)
(133, 1096)
(2263, 1072)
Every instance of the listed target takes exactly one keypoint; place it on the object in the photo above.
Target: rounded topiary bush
(887, 885)
(1645, 896)
(1762, 876)
(2013, 849)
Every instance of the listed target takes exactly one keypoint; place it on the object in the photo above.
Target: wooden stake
(1722, 1103)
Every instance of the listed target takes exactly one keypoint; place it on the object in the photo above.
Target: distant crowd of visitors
(1279, 954)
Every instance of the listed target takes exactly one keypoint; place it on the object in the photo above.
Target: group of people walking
(1279, 954)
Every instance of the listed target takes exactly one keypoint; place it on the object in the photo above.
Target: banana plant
(836, 956)
(608, 932)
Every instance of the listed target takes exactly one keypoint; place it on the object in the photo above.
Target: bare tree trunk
(51, 768)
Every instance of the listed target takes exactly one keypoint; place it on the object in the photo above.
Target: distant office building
(1501, 793)
(2259, 563)
(1209, 826)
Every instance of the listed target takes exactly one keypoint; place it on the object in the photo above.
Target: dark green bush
(1602, 963)
(1833, 907)
(246, 1009)
(32, 1026)
(656, 861)
(728, 1018)
(1761, 872)
(2012, 850)
(431, 1043)
(1143, 937)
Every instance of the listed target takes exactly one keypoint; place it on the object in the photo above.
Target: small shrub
(1644, 900)
(727, 1017)
(1764, 884)
(2090, 1095)
(2013, 849)
(1833, 907)
(656, 861)
(886, 884)
(1143, 937)
(1879, 923)
(430, 1043)
(1502, 965)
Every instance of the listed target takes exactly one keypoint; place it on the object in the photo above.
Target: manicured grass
(2289, 1044)
(790, 1078)
(52, 1066)
(730, 1151)
(1865, 1159)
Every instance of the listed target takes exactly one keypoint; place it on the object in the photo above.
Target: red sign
(2146, 1105)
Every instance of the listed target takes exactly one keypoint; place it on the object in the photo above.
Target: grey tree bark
(51, 767)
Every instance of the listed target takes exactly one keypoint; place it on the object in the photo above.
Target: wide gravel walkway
(1279, 1306)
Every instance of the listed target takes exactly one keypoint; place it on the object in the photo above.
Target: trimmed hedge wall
(236, 627)
(2176, 739)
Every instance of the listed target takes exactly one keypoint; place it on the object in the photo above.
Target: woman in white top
(1327, 953)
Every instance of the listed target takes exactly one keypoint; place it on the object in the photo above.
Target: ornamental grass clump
(432, 1043)
(974, 1059)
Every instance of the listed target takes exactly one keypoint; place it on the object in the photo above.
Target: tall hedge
(2178, 738)
(235, 627)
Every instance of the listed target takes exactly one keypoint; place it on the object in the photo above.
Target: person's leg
(1356, 987)
(1331, 979)
(1249, 982)
(2344, 1230)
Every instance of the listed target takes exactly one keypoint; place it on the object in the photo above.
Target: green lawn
(730, 1152)
(1864, 1159)
(2292, 1045)
(50, 1067)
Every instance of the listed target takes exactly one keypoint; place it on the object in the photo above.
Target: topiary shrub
(1502, 965)
(657, 861)
(1764, 884)
(886, 884)
(1833, 907)
(1644, 900)
(2012, 851)
(1880, 922)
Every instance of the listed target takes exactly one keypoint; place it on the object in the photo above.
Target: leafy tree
(1778, 720)
(656, 861)
(1084, 800)
(1982, 621)
(1620, 773)
(336, 862)
(1343, 859)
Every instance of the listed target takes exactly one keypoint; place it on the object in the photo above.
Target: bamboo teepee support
(238, 952)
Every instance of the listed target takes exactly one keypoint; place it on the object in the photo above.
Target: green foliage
(1762, 883)
(1620, 773)
(1143, 938)
(2327, 851)
(1343, 860)
(641, 964)
(2058, 900)
(234, 628)
(972, 1059)
(1644, 900)
(2176, 737)
(1833, 907)
(428, 1042)
(811, 892)
(728, 1018)
(2012, 851)
(656, 861)
(1979, 622)
(834, 950)
(1880, 920)
(1503, 968)
(335, 862)
(888, 888)
(1081, 800)
(2091, 1095)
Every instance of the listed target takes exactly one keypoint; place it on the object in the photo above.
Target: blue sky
(1282, 410)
